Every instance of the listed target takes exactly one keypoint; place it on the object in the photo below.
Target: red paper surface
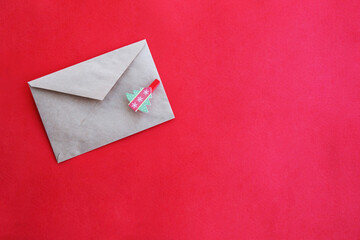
(266, 140)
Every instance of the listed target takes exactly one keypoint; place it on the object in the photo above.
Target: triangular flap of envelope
(93, 78)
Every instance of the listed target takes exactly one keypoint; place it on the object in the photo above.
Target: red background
(281, 160)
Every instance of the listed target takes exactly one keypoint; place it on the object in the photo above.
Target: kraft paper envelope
(84, 106)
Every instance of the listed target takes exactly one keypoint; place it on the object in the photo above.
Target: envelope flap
(93, 78)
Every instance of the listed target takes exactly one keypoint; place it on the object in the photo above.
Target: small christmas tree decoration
(140, 99)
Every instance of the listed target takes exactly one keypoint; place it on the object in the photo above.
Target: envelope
(84, 106)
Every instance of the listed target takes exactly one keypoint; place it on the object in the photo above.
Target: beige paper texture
(84, 106)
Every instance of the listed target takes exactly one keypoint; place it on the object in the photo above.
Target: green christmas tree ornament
(140, 99)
